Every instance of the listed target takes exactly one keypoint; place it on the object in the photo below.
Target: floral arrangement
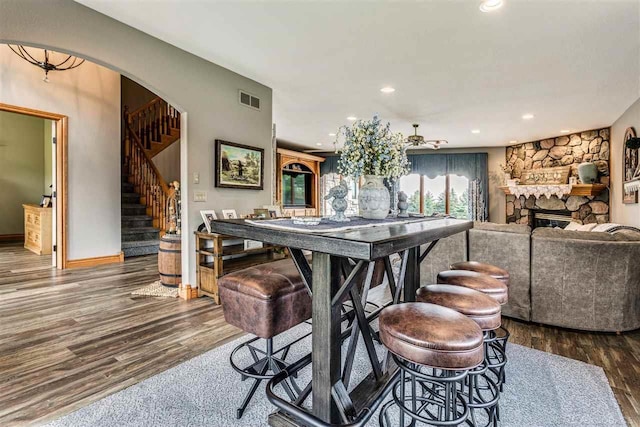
(370, 148)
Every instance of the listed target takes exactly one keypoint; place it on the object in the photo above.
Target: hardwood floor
(71, 338)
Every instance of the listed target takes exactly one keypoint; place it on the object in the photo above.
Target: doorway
(51, 206)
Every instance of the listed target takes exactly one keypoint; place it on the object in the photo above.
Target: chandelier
(416, 140)
(46, 63)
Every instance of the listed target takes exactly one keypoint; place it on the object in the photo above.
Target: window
(446, 194)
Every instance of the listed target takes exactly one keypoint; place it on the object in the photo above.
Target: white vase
(374, 198)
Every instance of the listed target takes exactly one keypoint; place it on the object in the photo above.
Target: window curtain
(473, 166)
(330, 165)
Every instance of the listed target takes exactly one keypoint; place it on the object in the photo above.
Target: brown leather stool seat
(481, 267)
(431, 335)
(266, 299)
(479, 307)
(476, 281)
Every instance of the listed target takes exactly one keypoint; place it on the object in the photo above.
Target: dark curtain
(330, 165)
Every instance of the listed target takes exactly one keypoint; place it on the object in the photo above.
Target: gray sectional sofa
(573, 279)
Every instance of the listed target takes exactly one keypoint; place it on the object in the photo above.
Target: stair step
(139, 234)
(127, 187)
(132, 221)
(139, 248)
(133, 209)
(130, 198)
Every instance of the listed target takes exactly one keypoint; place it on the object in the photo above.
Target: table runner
(328, 226)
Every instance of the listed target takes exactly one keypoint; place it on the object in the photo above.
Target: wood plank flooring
(71, 338)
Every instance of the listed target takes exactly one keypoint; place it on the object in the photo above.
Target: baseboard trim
(11, 237)
(92, 262)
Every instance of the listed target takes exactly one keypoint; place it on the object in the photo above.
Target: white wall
(209, 93)
(621, 213)
(90, 97)
(168, 162)
(21, 168)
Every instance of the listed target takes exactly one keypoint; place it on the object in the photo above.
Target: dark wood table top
(365, 243)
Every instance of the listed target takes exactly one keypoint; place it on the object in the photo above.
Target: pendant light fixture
(46, 63)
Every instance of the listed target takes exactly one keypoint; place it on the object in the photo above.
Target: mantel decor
(239, 166)
(373, 151)
(631, 161)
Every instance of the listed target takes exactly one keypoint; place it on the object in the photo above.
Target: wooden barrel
(170, 260)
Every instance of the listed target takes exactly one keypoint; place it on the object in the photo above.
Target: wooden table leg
(326, 336)
(412, 277)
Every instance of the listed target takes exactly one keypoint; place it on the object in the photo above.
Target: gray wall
(21, 168)
(90, 97)
(208, 93)
(621, 213)
(48, 156)
(168, 162)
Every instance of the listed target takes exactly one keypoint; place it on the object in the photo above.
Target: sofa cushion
(552, 233)
(503, 228)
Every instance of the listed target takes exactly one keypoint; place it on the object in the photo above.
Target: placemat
(328, 226)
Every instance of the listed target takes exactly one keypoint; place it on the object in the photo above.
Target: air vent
(249, 100)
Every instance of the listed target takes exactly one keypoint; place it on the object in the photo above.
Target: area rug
(156, 289)
(542, 390)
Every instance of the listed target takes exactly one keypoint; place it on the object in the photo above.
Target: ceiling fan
(416, 140)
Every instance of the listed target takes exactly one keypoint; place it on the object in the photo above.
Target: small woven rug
(156, 289)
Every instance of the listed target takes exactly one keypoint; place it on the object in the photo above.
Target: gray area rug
(543, 390)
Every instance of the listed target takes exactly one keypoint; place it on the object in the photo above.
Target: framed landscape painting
(239, 166)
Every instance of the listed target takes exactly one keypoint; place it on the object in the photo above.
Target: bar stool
(499, 292)
(264, 300)
(434, 347)
(481, 391)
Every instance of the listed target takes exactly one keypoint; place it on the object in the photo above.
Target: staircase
(147, 132)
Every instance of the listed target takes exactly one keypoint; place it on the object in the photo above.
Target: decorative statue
(174, 222)
(402, 205)
(339, 204)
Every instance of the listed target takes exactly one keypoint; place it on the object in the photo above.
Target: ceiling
(574, 64)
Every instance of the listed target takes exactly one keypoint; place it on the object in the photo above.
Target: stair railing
(154, 119)
(144, 175)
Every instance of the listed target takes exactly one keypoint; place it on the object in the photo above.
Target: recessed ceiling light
(513, 141)
(332, 134)
(565, 131)
(318, 144)
(387, 89)
(475, 131)
(490, 5)
(528, 116)
(352, 118)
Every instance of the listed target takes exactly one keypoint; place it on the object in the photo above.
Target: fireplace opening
(547, 218)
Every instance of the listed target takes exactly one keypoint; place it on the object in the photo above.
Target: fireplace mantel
(576, 189)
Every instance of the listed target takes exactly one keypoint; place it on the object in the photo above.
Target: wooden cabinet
(292, 164)
(37, 229)
(215, 259)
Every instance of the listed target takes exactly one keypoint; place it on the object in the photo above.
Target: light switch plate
(196, 178)
(199, 196)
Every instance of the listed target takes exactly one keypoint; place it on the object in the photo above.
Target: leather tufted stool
(498, 291)
(434, 347)
(481, 391)
(264, 300)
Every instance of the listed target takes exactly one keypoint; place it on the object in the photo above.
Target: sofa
(573, 279)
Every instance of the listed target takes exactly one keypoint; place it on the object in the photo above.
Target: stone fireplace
(570, 150)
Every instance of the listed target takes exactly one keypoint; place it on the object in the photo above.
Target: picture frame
(631, 162)
(261, 213)
(45, 202)
(229, 214)
(239, 166)
(275, 209)
(208, 216)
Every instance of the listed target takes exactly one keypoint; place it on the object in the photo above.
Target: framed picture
(631, 161)
(45, 202)
(208, 217)
(239, 166)
(229, 214)
(274, 211)
(261, 213)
